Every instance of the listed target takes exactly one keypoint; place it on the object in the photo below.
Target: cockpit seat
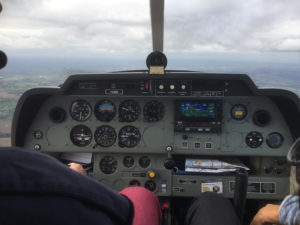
(37, 189)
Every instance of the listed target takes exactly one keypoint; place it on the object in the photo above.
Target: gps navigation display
(197, 110)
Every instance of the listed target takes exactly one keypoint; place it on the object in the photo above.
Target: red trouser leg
(146, 206)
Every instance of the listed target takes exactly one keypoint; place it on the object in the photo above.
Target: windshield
(48, 40)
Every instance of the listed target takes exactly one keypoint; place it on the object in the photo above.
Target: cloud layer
(118, 25)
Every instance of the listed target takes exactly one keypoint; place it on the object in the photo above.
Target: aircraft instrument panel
(141, 129)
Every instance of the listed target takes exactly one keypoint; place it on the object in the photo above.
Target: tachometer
(154, 111)
(129, 111)
(108, 164)
(128, 161)
(144, 161)
(105, 110)
(129, 136)
(80, 110)
(81, 135)
(105, 136)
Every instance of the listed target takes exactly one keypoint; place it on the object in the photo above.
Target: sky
(121, 28)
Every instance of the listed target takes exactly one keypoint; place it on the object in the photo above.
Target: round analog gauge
(81, 135)
(128, 161)
(150, 185)
(134, 183)
(144, 161)
(274, 140)
(254, 139)
(239, 112)
(108, 164)
(105, 110)
(105, 136)
(129, 136)
(154, 111)
(80, 110)
(129, 111)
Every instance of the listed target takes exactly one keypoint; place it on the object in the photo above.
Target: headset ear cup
(3, 59)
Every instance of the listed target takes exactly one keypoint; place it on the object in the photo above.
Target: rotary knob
(161, 87)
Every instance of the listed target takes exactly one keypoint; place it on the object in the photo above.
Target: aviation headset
(3, 58)
(293, 155)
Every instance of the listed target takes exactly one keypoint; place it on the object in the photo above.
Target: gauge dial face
(81, 135)
(254, 139)
(239, 112)
(129, 111)
(128, 161)
(274, 140)
(80, 110)
(150, 185)
(154, 111)
(144, 161)
(129, 136)
(105, 136)
(108, 164)
(134, 183)
(105, 110)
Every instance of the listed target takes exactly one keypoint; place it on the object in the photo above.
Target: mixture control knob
(183, 87)
(151, 174)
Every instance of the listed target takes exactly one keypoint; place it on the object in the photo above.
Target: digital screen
(197, 110)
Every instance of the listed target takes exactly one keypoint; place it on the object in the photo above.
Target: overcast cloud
(124, 26)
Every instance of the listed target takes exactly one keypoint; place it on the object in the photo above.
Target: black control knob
(278, 171)
(280, 162)
(274, 140)
(261, 118)
(57, 114)
(169, 164)
(268, 169)
(185, 137)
